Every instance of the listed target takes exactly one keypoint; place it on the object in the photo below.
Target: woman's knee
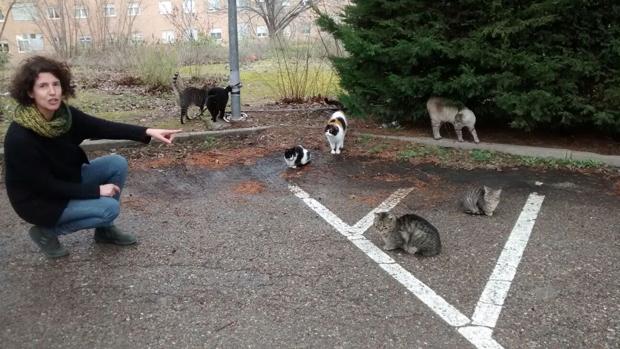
(119, 163)
(111, 209)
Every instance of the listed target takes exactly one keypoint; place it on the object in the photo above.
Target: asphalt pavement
(261, 256)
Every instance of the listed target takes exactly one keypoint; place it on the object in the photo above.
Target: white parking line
(477, 331)
(492, 299)
(439, 305)
(363, 224)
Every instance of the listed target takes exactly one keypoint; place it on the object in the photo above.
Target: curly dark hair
(27, 73)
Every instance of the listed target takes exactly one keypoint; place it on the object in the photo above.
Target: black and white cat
(335, 131)
(189, 96)
(296, 156)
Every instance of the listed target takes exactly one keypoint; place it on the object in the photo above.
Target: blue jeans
(95, 213)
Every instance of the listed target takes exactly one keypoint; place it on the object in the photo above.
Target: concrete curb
(523, 150)
(181, 137)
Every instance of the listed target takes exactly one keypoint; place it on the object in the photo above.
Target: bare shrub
(304, 70)
(155, 65)
(196, 53)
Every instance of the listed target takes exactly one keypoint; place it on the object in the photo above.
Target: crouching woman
(49, 180)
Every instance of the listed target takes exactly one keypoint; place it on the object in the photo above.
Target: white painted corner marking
(477, 331)
(429, 297)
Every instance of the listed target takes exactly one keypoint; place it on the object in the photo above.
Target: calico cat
(443, 110)
(481, 200)
(217, 101)
(189, 96)
(409, 232)
(296, 156)
(335, 131)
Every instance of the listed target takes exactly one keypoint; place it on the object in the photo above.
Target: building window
(85, 41)
(262, 32)
(213, 5)
(29, 42)
(216, 34)
(52, 13)
(165, 7)
(167, 36)
(188, 6)
(109, 10)
(242, 3)
(133, 9)
(24, 12)
(4, 47)
(81, 12)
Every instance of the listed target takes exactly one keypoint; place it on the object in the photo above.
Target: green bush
(529, 64)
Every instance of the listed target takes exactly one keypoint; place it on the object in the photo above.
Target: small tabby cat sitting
(335, 131)
(296, 156)
(481, 200)
(409, 232)
(443, 110)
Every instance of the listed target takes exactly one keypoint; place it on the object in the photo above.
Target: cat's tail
(175, 87)
(335, 103)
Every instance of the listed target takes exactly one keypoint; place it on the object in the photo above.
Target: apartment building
(67, 26)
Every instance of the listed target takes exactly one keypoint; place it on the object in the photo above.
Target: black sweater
(42, 174)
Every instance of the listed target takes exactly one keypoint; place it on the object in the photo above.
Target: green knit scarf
(31, 118)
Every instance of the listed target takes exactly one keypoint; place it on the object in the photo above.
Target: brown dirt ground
(304, 125)
(249, 187)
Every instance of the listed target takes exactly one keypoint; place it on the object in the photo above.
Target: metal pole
(233, 57)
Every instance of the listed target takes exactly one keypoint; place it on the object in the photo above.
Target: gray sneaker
(113, 235)
(47, 242)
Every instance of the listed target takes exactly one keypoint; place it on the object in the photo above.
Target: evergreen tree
(549, 63)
